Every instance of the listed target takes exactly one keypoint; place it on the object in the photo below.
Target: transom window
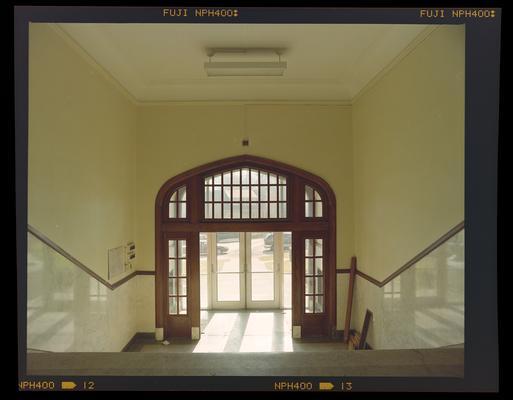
(314, 277)
(245, 193)
(313, 203)
(178, 203)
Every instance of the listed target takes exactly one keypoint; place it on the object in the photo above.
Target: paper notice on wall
(116, 261)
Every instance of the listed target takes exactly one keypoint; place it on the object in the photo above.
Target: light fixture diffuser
(245, 62)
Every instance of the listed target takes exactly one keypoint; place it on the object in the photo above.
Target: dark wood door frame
(195, 223)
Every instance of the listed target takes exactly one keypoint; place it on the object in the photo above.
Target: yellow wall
(174, 138)
(97, 161)
(81, 152)
(408, 134)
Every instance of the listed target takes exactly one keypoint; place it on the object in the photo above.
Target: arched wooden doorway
(245, 194)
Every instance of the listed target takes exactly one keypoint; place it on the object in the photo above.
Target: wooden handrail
(50, 243)
(414, 260)
(353, 271)
(352, 276)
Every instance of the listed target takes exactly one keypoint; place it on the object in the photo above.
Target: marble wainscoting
(70, 311)
(421, 308)
(145, 287)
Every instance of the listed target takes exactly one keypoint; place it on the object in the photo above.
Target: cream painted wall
(408, 133)
(174, 138)
(317, 139)
(81, 195)
(81, 191)
(97, 161)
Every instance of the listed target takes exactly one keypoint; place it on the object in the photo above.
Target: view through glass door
(245, 270)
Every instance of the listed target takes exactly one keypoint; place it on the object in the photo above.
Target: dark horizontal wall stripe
(66, 255)
(38, 350)
(123, 280)
(73, 260)
(433, 246)
(369, 278)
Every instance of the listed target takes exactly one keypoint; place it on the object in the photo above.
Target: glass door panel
(228, 287)
(205, 262)
(287, 271)
(262, 266)
(262, 279)
(262, 285)
(228, 270)
(244, 270)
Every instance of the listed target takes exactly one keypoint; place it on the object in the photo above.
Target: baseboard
(339, 334)
(138, 336)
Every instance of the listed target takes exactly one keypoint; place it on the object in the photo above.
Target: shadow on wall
(68, 310)
(421, 308)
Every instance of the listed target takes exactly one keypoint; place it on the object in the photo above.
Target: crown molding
(93, 63)
(396, 60)
(346, 102)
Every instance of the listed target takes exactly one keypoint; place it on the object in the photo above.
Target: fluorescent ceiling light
(245, 62)
(245, 68)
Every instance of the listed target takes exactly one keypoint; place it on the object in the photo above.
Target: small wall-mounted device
(130, 255)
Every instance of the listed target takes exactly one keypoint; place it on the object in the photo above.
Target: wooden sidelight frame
(295, 222)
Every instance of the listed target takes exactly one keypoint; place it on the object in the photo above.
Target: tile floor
(246, 331)
(399, 363)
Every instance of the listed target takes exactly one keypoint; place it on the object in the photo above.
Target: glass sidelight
(177, 277)
(314, 276)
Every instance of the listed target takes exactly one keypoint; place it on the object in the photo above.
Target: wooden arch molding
(301, 227)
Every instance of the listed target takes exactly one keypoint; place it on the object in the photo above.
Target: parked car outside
(269, 241)
(204, 249)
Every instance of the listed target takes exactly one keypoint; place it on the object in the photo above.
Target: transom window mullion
(260, 195)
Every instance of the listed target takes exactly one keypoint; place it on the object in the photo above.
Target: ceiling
(164, 62)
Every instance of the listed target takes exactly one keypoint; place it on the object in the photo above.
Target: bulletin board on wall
(116, 261)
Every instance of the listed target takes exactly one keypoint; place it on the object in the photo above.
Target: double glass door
(242, 269)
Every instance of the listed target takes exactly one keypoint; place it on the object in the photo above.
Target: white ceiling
(164, 62)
